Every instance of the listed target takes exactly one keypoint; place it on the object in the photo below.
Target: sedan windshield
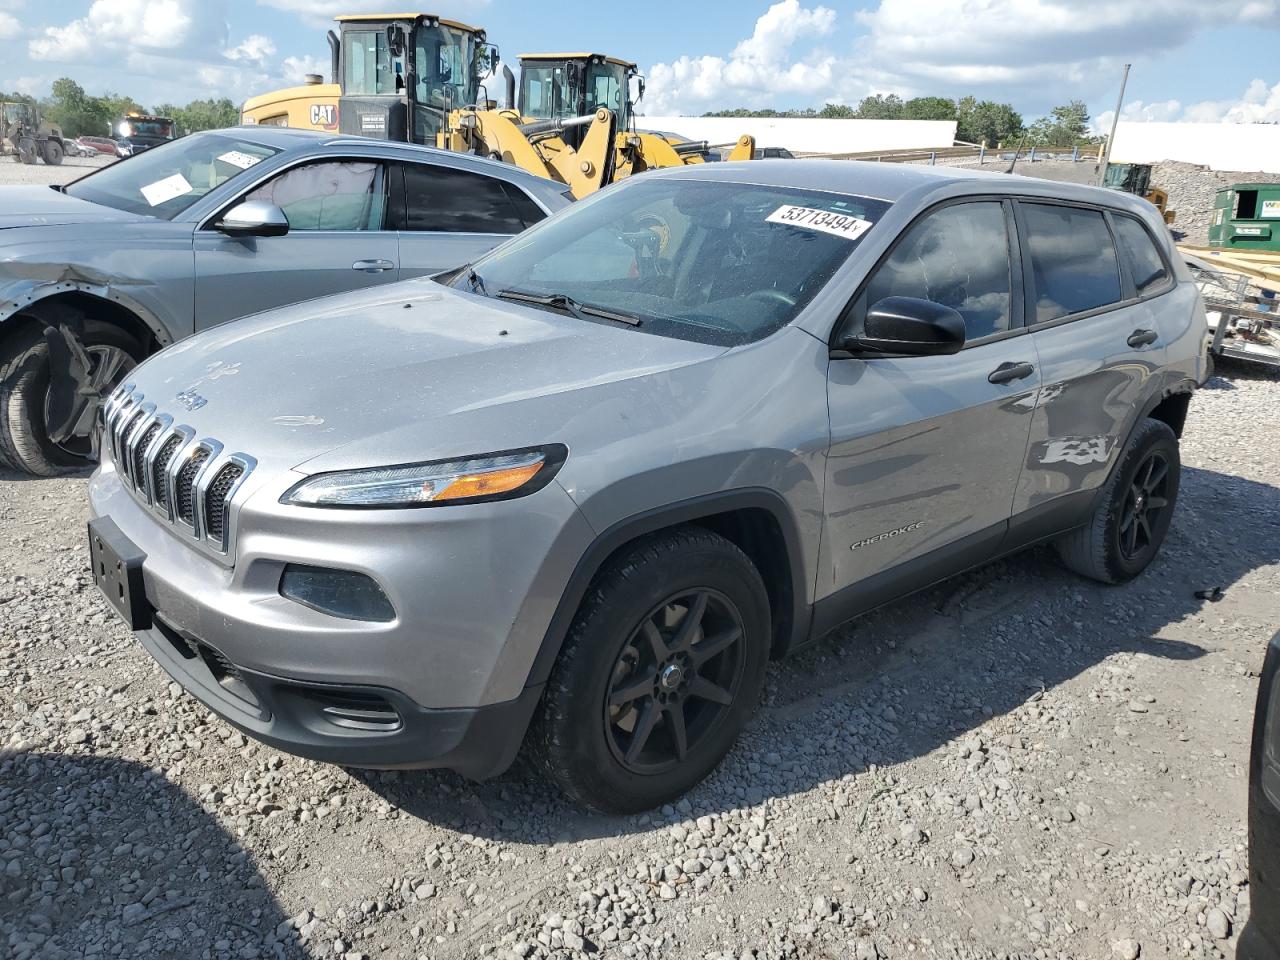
(723, 263)
(165, 181)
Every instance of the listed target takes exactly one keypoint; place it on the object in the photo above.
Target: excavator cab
(561, 86)
(402, 75)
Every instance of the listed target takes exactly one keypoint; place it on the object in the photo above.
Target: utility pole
(1111, 138)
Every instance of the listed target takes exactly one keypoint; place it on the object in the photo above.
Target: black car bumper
(349, 725)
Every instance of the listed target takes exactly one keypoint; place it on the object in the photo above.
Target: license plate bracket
(116, 564)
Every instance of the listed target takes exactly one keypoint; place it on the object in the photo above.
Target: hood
(35, 206)
(404, 372)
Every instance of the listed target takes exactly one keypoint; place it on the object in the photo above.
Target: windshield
(15, 112)
(166, 180)
(607, 87)
(722, 263)
(544, 92)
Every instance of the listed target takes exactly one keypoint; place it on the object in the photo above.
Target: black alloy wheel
(1143, 503)
(674, 681)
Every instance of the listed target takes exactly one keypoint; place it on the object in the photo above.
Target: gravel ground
(1018, 763)
(71, 168)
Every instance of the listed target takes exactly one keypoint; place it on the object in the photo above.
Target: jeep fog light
(339, 593)
(494, 476)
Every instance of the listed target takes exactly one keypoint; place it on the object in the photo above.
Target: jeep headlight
(495, 476)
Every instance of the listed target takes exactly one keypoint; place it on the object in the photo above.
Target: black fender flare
(684, 511)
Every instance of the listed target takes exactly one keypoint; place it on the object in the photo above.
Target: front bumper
(473, 588)
(347, 724)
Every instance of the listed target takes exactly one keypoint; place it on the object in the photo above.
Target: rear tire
(24, 387)
(1134, 509)
(27, 151)
(612, 672)
(53, 152)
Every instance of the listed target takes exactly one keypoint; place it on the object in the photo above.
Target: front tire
(661, 670)
(1134, 511)
(24, 387)
(53, 152)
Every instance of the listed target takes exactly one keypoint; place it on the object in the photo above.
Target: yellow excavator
(420, 78)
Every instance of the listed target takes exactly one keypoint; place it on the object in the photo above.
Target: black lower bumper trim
(347, 724)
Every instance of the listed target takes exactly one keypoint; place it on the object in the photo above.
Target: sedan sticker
(838, 224)
(238, 158)
(166, 189)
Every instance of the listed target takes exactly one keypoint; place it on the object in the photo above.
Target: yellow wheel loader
(420, 78)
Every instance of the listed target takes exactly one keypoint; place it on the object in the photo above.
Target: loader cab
(401, 75)
(558, 86)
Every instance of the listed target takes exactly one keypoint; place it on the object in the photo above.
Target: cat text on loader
(574, 123)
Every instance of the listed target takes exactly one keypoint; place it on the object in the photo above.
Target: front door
(926, 451)
(336, 242)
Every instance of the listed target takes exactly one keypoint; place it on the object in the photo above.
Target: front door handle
(373, 266)
(1011, 371)
(1141, 338)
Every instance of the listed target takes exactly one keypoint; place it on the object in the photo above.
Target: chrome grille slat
(188, 482)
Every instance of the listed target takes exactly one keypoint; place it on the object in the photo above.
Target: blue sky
(1193, 59)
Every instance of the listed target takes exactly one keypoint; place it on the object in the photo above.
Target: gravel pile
(71, 168)
(1192, 190)
(1018, 763)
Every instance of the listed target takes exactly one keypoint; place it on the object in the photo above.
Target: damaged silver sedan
(97, 275)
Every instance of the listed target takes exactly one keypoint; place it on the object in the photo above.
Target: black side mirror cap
(907, 327)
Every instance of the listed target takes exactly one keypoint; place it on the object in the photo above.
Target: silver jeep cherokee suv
(575, 495)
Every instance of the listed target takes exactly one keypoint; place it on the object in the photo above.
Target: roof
(363, 17)
(578, 56)
(888, 181)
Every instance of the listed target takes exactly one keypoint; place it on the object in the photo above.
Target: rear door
(1090, 279)
(446, 217)
(926, 451)
(336, 242)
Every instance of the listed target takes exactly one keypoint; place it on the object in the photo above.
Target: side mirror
(254, 218)
(908, 327)
(639, 88)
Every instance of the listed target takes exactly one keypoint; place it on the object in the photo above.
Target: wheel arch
(139, 323)
(757, 520)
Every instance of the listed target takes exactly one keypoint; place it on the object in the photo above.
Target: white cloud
(255, 49)
(180, 27)
(994, 48)
(758, 68)
(320, 13)
(10, 26)
(1259, 104)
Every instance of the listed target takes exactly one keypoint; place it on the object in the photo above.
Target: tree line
(977, 121)
(80, 114)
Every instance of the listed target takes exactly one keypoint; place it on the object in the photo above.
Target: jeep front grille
(190, 483)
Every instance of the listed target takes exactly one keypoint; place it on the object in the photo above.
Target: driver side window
(337, 195)
(957, 256)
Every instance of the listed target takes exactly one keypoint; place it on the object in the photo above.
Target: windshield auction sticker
(839, 224)
(166, 189)
(238, 158)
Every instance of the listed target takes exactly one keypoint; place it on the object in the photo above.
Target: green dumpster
(1247, 216)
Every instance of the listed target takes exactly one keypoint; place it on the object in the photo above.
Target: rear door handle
(1141, 338)
(373, 266)
(1011, 371)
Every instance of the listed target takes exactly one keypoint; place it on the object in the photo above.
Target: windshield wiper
(562, 301)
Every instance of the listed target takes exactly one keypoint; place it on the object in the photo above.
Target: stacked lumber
(1261, 266)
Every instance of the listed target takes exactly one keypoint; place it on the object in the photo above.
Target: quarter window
(1140, 253)
(340, 195)
(959, 257)
(443, 200)
(1073, 260)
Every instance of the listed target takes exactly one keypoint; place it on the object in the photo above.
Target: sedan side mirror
(254, 218)
(908, 327)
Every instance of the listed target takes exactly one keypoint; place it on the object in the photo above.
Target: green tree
(75, 111)
(987, 122)
(929, 108)
(880, 107)
(1065, 126)
(207, 115)
(837, 111)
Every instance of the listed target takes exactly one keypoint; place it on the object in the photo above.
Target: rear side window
(957, 256)
(528, 211)
(1140, 253)
(1072, 259)
(442, 200)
